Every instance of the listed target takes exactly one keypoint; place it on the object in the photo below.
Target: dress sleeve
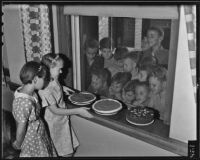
(47, 98)
(22, 110)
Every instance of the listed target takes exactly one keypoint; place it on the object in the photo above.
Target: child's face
(106, 53)
(129, 65)
(142, 75)
(91, 52)
(153, 38)
(141, 93)
(128, 96)
(120, 63)
(39, 83)
(115, 87)
(97, 82)
(57, 69)
(155, 85)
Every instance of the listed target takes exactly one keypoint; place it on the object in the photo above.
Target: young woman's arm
(62, 111)
(21, 131)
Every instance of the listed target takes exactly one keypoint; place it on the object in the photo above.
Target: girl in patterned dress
(56, 111)
(31, 136)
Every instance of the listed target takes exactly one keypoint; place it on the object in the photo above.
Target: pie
(82, 97)
(107, 106)
(140, 115)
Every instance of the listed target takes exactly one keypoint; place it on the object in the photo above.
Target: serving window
(123, 30)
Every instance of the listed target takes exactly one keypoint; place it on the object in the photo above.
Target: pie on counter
(140, 116)
(107, 106)
(82, 98)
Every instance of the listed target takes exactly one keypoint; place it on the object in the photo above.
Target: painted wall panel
(13, 40)
(97, 140)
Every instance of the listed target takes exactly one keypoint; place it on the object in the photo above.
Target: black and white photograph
(99, 80)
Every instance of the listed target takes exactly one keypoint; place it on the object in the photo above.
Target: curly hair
(159, 72)
(121, 77)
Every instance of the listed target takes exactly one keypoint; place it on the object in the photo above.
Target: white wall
(183, 118)
(13, 41)
(97, 140)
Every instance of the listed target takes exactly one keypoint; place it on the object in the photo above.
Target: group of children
(135, 78)
(33, 137)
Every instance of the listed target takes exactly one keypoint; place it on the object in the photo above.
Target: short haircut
(121, 77)
(120, 53)
(106, 43)
(32, 69)
(134, 56)
(104, 74)
(142, 84)
(157, 29)
(159, 72)
(147, 68)
(150, 60)
(91, 43)
(51, 59)
(130, 85)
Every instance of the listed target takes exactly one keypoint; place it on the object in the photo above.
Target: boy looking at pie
(128, 92)
(92, 60)
(100, 81)
(117, 83)
(130, 62)
(157, 82)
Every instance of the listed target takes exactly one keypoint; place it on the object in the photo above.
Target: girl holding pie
(56, 111)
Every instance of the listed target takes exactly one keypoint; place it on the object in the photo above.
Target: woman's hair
(104, 74)
(121, 77)
(159, 72)
(32, 69)
(106, 43)
(130, 85)
(120, 53)
(51, 59)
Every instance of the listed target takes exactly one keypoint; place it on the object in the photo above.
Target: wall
(183, 118)
(97, 140)
(13, 41)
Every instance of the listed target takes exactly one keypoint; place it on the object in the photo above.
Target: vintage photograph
(99, 80)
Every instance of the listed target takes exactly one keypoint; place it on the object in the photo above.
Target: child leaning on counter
(100, 82)
(157, 82)
(56, 112)
(117, 83)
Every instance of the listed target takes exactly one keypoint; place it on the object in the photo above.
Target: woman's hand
(83, 112)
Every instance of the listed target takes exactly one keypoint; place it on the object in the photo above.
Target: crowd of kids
(138, 78)
(135, 78)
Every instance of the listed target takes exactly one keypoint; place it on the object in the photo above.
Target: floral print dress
(36, 143)
(58, 125)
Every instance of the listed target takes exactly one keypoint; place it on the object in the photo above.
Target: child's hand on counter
(83, 112)
(67, 90)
